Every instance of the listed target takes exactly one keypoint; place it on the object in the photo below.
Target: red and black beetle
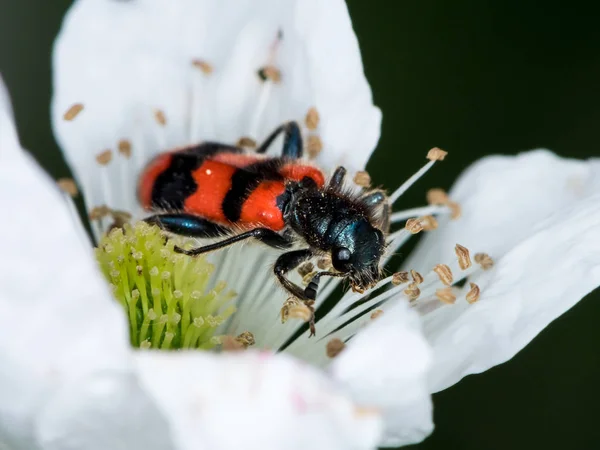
(217, 190)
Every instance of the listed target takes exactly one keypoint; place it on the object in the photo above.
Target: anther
(362, 179)
(205, 67)
(455, 210)
(73, 112)
(296, 309)
(446, 295)
(400, 278)
(464, 259)
(175, 318)
(246, 339)
(160, 117)
(414, 225)
(473, 294)
(416, 276)
(484, 260)
(213, 321)
(124, 147)
(99, 212)
(412, 291)
(68, 185)
(246, 142)
(312, 119)
(377, 313)
(230, 344)
(324, 263)
(436, 154)
(437, 197)
(429, 223)
(314, 146)
(308, 278)
(334, 347)
(285, 309)
(444, 273)
(306, 269)
(104, 157)
(269, 72)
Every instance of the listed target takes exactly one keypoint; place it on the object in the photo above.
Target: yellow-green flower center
(165, 295)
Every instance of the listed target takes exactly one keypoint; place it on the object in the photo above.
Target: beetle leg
(313, 286)
(187, 225)
(264, 235)
(286, 263)
(292, 142)
(337, 179)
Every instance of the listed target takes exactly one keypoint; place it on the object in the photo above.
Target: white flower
(70, 380)
(141, 70)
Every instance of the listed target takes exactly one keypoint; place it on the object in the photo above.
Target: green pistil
(164, 294)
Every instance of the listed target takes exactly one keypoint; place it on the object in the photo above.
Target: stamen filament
(417, 212)
(408, 183)
(261, 106)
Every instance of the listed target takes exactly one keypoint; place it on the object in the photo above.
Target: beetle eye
(342, 254)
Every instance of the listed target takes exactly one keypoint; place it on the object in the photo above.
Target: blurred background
(475, 78)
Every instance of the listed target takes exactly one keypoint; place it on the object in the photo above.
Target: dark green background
(473, 77)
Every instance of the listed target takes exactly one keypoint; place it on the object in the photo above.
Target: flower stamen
(446, 295)
(417, 277)
(334, 347)
(204, 66)
(444, 273)
(412, 291)
(464, 259)
(104, 158)
(159, 117)
(400, 278)
(124, 147)
(314, 146)
(246, 142)
(484, 260)
(434, 155)
(73, 112)
(164, 295)
(439, 197)
(473, 294)
(68, 186)
(362, 179)
(312, 119)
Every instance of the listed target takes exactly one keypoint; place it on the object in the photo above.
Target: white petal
(59, 327)
(386, 365)
(254, 400)
(50, 286)
(503, 200)
(508, 205)
(103, 411)
(530, 286)
(123, 60)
